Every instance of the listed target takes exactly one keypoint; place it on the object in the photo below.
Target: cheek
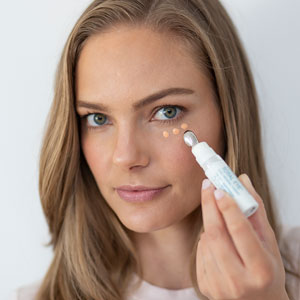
(210, 129)
(94, 154)
(177, 161)
(183, 172)
(170, 155)
(169, 147)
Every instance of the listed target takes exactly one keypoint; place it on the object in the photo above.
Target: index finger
(242, 233)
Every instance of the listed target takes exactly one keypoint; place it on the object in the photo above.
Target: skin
(238, 257)
(118, 68)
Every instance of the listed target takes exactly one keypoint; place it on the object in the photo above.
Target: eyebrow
(141, 103)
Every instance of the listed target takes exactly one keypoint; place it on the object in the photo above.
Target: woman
(132, 76)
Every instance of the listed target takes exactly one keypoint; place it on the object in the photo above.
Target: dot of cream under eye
(184, 126)
(175, 131)
(165, 134)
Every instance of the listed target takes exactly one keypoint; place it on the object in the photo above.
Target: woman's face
(124, 144)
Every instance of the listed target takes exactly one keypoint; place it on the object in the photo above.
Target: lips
(139, 193)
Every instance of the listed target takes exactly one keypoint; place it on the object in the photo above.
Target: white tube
(222, 177)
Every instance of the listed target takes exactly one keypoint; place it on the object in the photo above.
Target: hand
(238, 258)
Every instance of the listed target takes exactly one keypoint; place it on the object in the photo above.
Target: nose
(130, 149)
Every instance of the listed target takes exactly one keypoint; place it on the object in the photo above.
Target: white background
(32, 37)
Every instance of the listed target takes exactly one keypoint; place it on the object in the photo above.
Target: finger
(217, 281)
(244, 237)
(259, 219)
(221, 244)
(245, 180)
(201, 272)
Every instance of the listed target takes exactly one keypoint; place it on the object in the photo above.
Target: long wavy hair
(94, 257)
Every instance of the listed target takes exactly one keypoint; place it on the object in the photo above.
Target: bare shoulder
(26, 292)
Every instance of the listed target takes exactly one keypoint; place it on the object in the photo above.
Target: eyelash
(170, 121)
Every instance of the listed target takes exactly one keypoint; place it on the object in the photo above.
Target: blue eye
(169, 112)
(172, 114)
(98, 119)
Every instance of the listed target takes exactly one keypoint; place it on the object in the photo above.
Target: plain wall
(33, 34)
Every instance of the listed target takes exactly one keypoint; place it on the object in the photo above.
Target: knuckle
(264, 278)
(263, 274)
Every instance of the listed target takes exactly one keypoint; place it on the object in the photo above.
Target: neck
(165, 254)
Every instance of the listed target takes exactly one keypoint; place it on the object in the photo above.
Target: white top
(147, 291)
(289, 244)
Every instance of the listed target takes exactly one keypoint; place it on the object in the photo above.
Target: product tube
(222, 177)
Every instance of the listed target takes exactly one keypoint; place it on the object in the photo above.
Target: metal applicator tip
(189, 138)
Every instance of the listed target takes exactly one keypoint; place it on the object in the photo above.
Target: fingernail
(219, 194)
(205, 183)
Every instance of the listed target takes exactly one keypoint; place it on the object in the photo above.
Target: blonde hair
(94, 257)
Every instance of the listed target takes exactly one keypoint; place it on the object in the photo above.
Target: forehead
(133, 62)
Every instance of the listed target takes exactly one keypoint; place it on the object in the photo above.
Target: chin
(144, 225)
